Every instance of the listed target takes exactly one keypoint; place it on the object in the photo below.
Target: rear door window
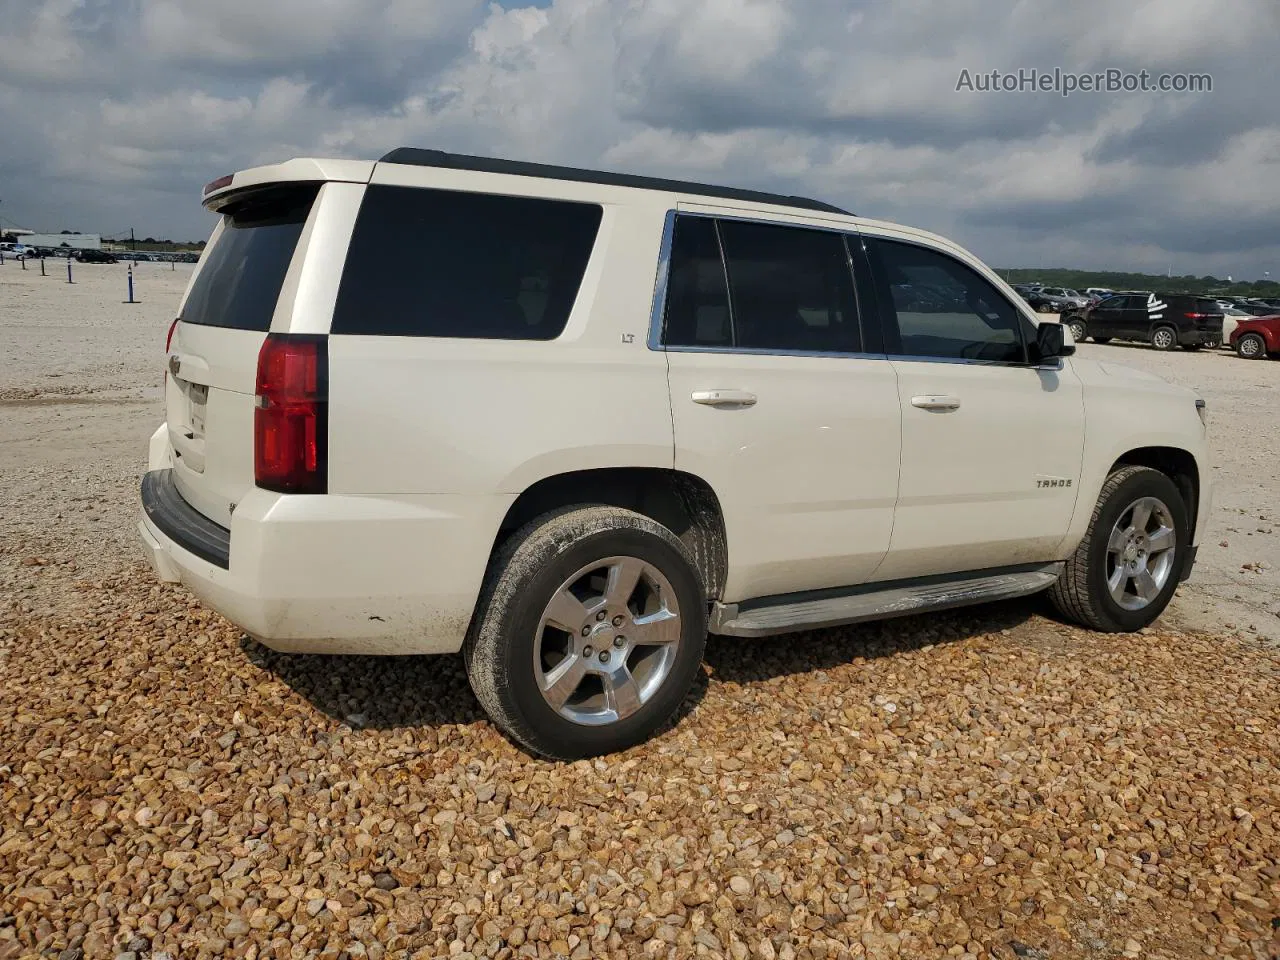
(791, 288)
(240, 280)
(439, 263)
(754, 286)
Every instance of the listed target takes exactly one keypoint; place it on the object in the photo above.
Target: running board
(808, 611)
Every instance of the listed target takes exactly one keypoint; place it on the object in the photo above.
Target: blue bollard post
(69, 280)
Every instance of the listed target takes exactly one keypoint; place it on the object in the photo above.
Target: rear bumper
(333, 573)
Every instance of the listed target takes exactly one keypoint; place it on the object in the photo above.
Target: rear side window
(240, 281)
(697, 294)
(791, 289)
(438, 263)
(753, 286)
(1207, 306)
(942, 308)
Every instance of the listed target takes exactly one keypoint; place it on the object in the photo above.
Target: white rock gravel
(988, 783)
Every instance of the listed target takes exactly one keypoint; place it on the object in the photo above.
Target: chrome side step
(826, 608)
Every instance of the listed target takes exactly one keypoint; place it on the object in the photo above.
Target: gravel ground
(989, 783)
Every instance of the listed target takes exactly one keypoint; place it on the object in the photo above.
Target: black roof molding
(414, 156)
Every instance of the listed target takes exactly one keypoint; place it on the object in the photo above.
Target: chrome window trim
(770, 352)
(659, 306)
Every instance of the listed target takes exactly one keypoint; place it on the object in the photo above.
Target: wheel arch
(682, 502)
(1177, 464)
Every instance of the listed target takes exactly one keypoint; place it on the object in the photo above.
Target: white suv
(568, 421)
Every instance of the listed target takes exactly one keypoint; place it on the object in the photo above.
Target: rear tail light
(168, 339)
(291, 416)
(1199, 316)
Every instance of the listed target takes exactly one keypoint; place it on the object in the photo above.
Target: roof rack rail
(415, 156)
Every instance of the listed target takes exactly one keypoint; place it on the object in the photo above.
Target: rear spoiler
(299, 170)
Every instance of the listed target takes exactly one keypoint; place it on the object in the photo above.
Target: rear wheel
(1126, 569)
(1164, 338)
(1077, 329)
(1251, 346)
(589, 632)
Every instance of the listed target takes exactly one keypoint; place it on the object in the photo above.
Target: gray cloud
(115, 111)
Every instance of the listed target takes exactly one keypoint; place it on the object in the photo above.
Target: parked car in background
(1231, 316)
(1043, 302)
(1068, 296)
(1255, 308)
(319, 481)
(1163, 320)
(1099, 293)
(1257, 337)
(95, 256)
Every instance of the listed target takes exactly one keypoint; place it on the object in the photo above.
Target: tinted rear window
(1207, 306)
(439, 263)
(240, 281)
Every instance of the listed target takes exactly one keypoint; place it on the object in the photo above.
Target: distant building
(76, 241)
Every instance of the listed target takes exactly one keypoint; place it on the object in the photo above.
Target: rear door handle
(935, 402)
(724, 398)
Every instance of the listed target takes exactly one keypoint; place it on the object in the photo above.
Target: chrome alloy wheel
(607, 640)
(1250, 346)
(1141, 553)
(1162, 339)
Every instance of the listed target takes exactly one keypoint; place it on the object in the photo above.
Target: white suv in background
(568, 421)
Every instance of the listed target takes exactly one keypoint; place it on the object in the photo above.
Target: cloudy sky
(113, 113)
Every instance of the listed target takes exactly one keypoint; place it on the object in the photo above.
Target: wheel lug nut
(588, 651)
(618, 641)
(617, 621)
(604, 656)
(600, 615)
(586, 631)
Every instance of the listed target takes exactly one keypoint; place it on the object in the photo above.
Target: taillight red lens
(168, 339)
(1197, 316)
(290, 421)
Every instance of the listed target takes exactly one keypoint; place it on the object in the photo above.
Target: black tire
(1255, 350)
(1164, 343)
(1101, 339)
(1081, 592)
(526, 573)
(1078, 330)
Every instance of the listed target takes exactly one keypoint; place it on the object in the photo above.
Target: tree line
(1114, 280)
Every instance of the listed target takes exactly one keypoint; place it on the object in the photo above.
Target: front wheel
(1126, 569)
(1164, 338)
(1251, 346)
(1077, 329)
(589, 633)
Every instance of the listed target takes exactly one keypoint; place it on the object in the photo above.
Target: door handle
(724, 398)
(933, 402)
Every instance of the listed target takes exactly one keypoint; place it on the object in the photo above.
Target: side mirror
(1051, 342)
